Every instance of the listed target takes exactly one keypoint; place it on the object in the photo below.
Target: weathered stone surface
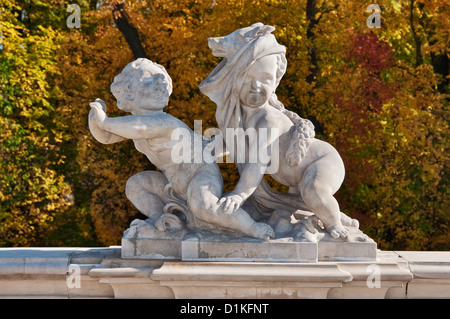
(151, 248)
(338, 250)
(143, 241)
(270, 251)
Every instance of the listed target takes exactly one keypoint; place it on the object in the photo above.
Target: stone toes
(334, 234)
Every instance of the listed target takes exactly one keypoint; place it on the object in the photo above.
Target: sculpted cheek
(268, 89)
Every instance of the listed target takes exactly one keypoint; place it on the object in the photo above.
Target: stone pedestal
(273, 251)
(334, 250)
(141, 241)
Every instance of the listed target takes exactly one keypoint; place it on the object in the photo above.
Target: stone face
(241, 250)
(143, 241)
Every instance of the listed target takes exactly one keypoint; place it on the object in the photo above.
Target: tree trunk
(92, 4)
(441, 66)
(417, 40)
(129, 32)
(310, 35)
(312, 53)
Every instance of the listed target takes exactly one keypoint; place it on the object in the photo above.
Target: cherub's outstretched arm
(99, 134)
(132, 126)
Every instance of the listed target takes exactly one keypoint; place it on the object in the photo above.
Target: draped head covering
(241, 50)
(224, 84)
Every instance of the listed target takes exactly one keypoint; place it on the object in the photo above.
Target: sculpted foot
(262, 231)
(338, 231)
(355, 223)
(347, 221)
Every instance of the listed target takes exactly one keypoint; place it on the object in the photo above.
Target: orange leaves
(384, 115)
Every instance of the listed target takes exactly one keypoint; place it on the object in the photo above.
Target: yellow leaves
(32, 187)
(395, 162)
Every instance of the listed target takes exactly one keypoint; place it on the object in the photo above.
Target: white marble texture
(45, 273)
(184, 200)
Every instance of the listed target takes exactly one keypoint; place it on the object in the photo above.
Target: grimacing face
(260, 82)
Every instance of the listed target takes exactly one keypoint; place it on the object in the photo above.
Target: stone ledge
(195, 250)
(276, 250)
(44, 273)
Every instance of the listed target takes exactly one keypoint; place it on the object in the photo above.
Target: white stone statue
(188, 216)
(184, 195)
(243, 87)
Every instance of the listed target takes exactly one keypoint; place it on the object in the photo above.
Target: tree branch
(129, 32)
(328, 10)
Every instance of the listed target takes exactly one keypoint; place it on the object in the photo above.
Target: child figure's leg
(320, 181)
(348, 221)
(204, 192)
(145, 190)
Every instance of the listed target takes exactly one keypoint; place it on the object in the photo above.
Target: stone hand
(98, 112)
(230, 203)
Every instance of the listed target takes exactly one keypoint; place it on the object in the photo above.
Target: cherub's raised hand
(97, 114)
(103, 104)
(230, 203)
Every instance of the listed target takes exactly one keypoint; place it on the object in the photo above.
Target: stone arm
(99, 134)
(252, 173)
(111, 130)
(135, 127)
(251, 176)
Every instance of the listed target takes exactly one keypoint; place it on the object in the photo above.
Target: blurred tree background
(379, 95)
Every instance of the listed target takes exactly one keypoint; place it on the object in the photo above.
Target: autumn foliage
(379, 95)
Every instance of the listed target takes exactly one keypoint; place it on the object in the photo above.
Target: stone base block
(143, 241)
(273, 251)
(195, 250)
(165, 249)
(342, 250)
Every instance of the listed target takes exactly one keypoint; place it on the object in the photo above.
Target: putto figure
(183, 194)
(243, 87)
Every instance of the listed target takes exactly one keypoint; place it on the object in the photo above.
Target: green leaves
(32, 186)
(386, 117)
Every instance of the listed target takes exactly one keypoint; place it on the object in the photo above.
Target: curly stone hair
(131, 78)
(304, 129)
